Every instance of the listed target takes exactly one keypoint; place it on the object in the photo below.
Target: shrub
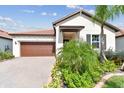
(74, 80)
(0, 58)
(79, 66)
(117, 57)
(56, 77)
(108, 66)
(85, 80)
(115, 82)
(109, 54)
(6, 55)
(78, 56)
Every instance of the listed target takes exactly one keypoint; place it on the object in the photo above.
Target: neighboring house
(120, 40)
(78, 25)
(5, 41)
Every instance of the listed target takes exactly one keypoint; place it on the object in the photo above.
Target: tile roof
(49, 32)
(5, 34)
(120, 33)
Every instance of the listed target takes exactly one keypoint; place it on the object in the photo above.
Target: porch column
(59, 40)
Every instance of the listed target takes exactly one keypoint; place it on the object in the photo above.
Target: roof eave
(33, 34)
(6, 37)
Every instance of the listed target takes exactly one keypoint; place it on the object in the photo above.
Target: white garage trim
(18, 39)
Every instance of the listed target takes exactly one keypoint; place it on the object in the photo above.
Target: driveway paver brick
(26, 72)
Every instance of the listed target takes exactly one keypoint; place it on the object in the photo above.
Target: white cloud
(91, 11)
(2, 24)
(54, 14)
(80, 7)
(44, 13)
(7, 20)
(48, 14)
(74, 6)
(10, 24)
(28, 11)
(2, 18)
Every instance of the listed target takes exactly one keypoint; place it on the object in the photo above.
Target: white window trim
(97, 41)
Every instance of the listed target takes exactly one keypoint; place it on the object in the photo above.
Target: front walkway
(25, 72)
(106, 77)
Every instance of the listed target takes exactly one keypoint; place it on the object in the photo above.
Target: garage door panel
(37, 49)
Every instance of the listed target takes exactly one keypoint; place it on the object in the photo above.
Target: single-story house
(120, 40)
(5, 41)
(78, 25)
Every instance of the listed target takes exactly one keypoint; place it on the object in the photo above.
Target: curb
(106, 77)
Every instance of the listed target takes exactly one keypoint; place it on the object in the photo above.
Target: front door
(67, 36)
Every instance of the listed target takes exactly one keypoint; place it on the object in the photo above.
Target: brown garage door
(37, 48)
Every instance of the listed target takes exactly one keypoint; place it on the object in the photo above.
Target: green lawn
(115, 82)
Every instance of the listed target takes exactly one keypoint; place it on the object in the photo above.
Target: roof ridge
(32, 30)
(3, 31)
(35, 32)
(5, 34)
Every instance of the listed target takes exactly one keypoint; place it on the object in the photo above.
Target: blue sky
(23, 18)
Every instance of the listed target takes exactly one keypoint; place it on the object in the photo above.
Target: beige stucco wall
(90, 28)
(18, 39)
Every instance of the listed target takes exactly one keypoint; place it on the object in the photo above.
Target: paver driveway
(26, 72)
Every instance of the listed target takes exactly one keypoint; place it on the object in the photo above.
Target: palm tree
(104, 13)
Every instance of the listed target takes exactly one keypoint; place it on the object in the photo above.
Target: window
(95, 41)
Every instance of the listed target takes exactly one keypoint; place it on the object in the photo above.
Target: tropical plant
(78, 56)
(104, 13)
(78, 66)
